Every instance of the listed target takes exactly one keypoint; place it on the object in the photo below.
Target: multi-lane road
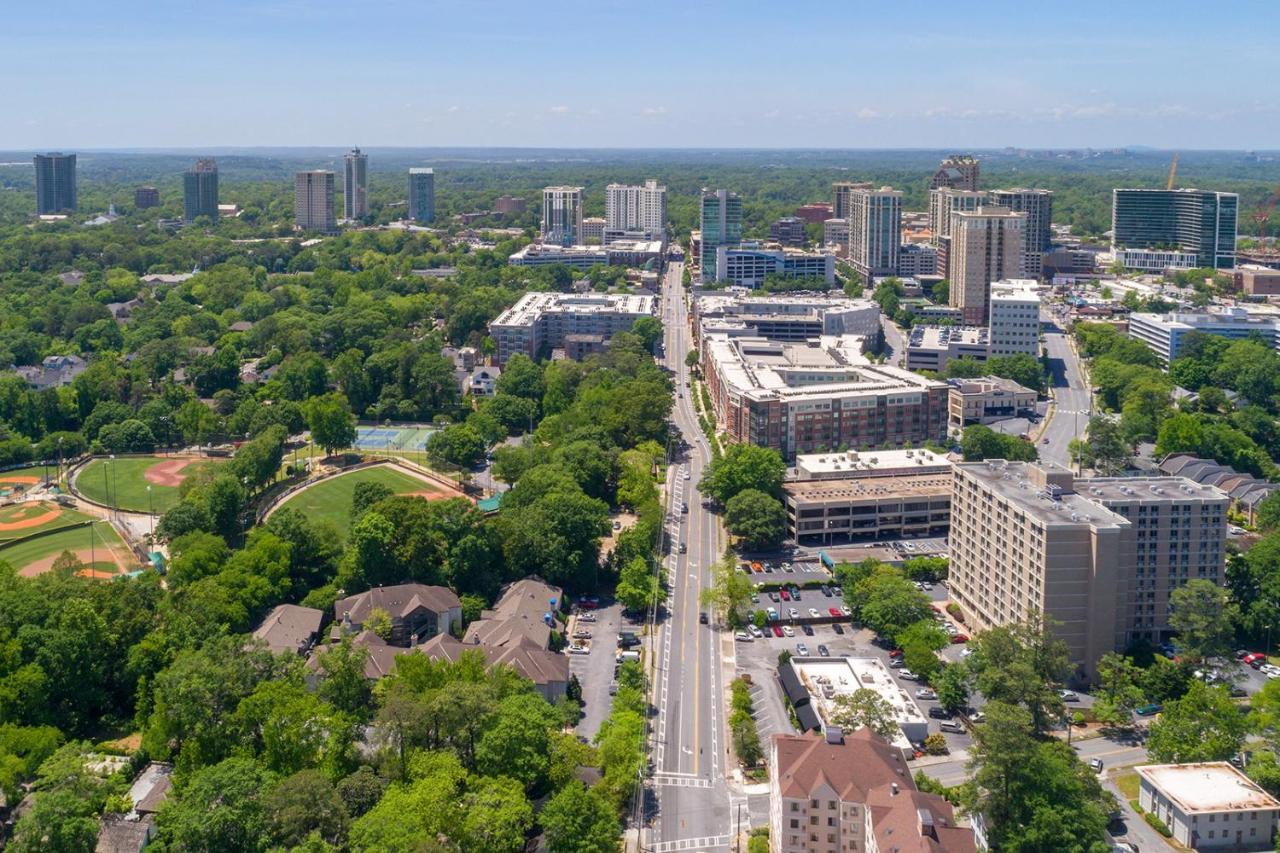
(688, 746)
(1071, 398)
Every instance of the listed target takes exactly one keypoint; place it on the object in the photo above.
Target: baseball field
(330, 500)
(123, 482)
(96, 545)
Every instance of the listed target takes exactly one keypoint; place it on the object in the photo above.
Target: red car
(1253, 656)
(834, 611)
(786, 596)
(896, 653)
(777, 632)
(588, 602)
(959, 638)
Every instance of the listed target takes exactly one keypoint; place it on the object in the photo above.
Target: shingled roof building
(417, 611)
(290, 628)
(524, 612)
(830, 794)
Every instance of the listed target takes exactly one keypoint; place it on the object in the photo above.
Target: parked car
(777, 632)
(786, 596)
(586, 617)
(846, 611)
(895, 653)
(1148, 710)
(823, 651)
(788, 630)
(960, 638)
(814, 614)
(588, 602)
(939, 713)
(926, 693)
(772, 613)
(895, 663)
(579, 649)
(906, 675)
(1068, 696)
(793, 613)
(754, 631)
(582, 634)
(773, 596)
(835, 613)
(826, 591)
(1096, 765)
(808, 629)
(837, 627)
(742, 637)
(802, 650)
(951, 726)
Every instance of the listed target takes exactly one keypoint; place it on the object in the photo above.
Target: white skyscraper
(634, 210)
(355, 185)
(875, 231)
(313, 201)
(562, 215)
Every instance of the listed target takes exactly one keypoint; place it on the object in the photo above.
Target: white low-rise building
(828, 678)
(1210, 806)
(868, 463)
(931, 347)
(544, 319)
(1015, 317)
(784, 317)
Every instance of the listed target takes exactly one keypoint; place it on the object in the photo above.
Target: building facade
(313, 201)
(1209, 806)
(815, 213)
(830, 511)
(507, 205)
(1256, 280)
(789, 230)
(200, 190)
(1015, 318)
(562, 216)
(145, 197)
(721, 225)
(636, 209)
(1164, 333)
(835, 232)
(784, 317)
(934, 347)
(834, 793)
(355, 184)
(55, 182)
(917, 259)
(820, 395)
(1200, 222)
(544, 320)
(1100, 556)
(842, 197)
(422, 195)
(593, 230)
(957, 172)
(747, 266)
(1038, 206)
(875, 231)
(984, 399)
(986, 245)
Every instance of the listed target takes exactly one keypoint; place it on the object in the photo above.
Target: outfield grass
(66, 516)
(330, 500)
(22, 554)
(120, 482)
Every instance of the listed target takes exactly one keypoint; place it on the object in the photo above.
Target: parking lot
(799, 572)
(595, 668)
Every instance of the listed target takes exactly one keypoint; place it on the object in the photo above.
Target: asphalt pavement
(690, 753)
(1071, 398)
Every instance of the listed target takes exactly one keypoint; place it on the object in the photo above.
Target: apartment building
(1014, 318)
(835, 232)
(957, 172)
(617, 253)
(1163, 333)
(875, 231)
(55, 183)
(827, 511)
(144, 197)
(986, 245)
(820, 395)
(1256, 280)
(1100, 556)
(984, 399)
(636, 210)
(355, 184)
(545, 320)
(841, 197)
(1210, 806)
(789, 231)
(1200, 222)
(422, 194)
(833, 793)
(1038, 206)
(783, 317)
(748, 265)
(562, 216)
(917, 259)
(313, 201)
(815, 213)
(593, 229)
(943, 202)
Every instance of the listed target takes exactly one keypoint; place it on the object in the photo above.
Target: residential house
(482, 381)
(417, 611)
(290, 628)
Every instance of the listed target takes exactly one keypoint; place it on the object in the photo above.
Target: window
(795, 824)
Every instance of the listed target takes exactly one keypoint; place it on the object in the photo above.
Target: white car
(742, 637)
(906, 675)
(965, 652)
(814, 614)
(1235, 530)
(577, 649)
(1068, 696)
(788, 631)
(755, 632)
(926, 693)
(586, 617)
(795, 614)
(845, 610)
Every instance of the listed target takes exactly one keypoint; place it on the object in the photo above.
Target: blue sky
(704, 73)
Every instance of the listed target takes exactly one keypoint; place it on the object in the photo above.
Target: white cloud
(867, 113)
(560, 109)
(454, 108)
(655, 111)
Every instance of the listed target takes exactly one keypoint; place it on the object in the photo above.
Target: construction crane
(1173, 172)
(1262, 215)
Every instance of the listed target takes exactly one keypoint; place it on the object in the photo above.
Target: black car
(808, 630)
(826, 590)
(837, 627)
(702, 617)
(939, 713)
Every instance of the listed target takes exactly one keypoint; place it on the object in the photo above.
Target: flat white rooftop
(531, 306)
(827, 678)
(870, 462)
(1210, 787)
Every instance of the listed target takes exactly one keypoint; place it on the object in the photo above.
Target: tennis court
(392, 438)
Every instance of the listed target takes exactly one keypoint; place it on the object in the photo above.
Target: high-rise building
(55, 182)
(200, 190)
(313, 201)
(789, 230)
(958, 172)
(562, 215)
(422, 195)
(1202, 222)
(1038, 206)
(986, 245)
(945, 201)
(1098, 556)
(355, 184)
(1015, 318)
(721, 226)
(840, 193)
(144, 197)
(507, 205)
(875, 231)
(635, 210)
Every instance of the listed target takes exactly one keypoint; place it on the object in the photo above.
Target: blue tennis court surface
(392, 438)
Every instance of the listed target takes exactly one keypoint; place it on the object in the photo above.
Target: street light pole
(151, 514)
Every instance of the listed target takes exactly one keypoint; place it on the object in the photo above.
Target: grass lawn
(1128, 783)
(330, 500)
(121, 482)
(22, 554)
(10, 514)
